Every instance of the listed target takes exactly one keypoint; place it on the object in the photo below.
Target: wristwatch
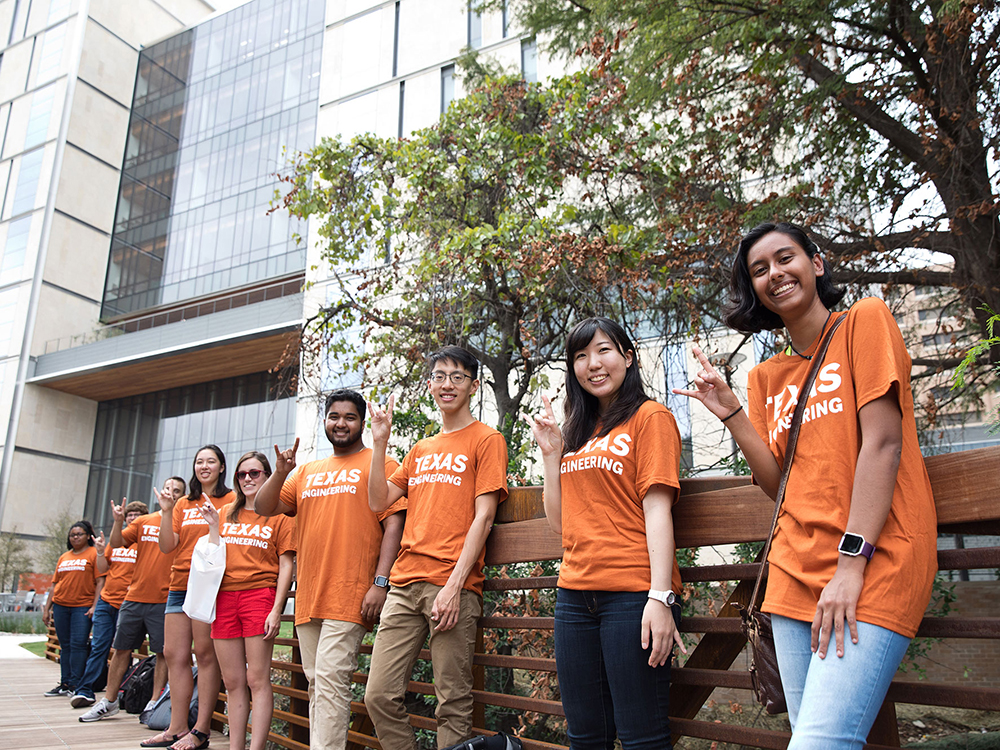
(854, 545)
(382, 582)
(667, 597)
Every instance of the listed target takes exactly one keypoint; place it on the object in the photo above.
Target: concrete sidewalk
(30, 720)
(10, 646)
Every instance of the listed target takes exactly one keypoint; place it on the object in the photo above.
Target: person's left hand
(272, 624)
(446, 607)
(659, 632)
(209, 512)
(373, 602)
(837, 603)
(90, 612)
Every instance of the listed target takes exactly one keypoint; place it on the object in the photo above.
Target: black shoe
(59, 689)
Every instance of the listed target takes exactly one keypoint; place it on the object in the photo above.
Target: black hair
(461, 357)
(195, 483)
(744, 312)
(184, 485)
(346, 394)
(85, 525)
(241, 499)
(583, 409)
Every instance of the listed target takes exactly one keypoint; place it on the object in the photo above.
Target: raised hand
(711, 388)
(166, 501)
(546, 431)
(381, 420)
(209, 512)
(100, 543)
(284, 461)
(118, 511)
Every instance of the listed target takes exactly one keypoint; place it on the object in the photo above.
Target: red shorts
(241, 614)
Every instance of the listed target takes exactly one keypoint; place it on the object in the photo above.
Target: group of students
(850, 567)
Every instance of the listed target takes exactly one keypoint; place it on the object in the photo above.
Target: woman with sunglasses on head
(180, 529)
(71, 604)
(260, 555)
(854, 553)
(611, 478)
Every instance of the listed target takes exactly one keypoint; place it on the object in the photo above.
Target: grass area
(35, 647)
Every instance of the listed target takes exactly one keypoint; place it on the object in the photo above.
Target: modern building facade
(148, 294)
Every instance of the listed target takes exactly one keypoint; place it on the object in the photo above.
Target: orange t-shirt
(339, 537)
(602, 486)
(121, 564)
(189, 524)
(75, 579)
(866, 360)
(151, 575)
(442, 476)
(253, 545)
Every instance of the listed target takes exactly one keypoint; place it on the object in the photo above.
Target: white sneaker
(102, 710)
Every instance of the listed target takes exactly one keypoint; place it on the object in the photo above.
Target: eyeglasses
(457, 378)
(252, 473)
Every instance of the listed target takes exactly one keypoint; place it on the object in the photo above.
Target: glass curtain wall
(217, 111)
(142, 440)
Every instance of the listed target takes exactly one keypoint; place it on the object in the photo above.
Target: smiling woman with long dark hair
(611, 477)
(854, 554)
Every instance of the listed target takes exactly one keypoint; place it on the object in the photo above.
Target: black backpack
(137, 687)
(498, 741)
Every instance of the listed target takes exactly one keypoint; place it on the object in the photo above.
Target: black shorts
(135, 621)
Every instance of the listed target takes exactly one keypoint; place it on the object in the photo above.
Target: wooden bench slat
(952, 696)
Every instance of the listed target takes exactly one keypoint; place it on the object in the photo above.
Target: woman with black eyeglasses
(260, 553)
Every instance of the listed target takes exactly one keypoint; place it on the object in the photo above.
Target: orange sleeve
(401, 476)
(879, 360)
(391, 465)
(130, 534)
(657, 453)
(286, 541)
(491, 465)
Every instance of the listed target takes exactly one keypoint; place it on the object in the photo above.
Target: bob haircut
(346, 394)
(85, 525)
(137, 506)
(583, 409)
(195, 483)
(461, 357)
(745, 313)
(241, 500)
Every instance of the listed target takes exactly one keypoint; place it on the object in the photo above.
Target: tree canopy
(875, 124)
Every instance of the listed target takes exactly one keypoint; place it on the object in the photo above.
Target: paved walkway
(30, 720)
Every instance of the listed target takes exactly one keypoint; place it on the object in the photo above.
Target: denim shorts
(175, 603)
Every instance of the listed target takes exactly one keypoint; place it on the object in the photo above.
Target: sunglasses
(252, 473)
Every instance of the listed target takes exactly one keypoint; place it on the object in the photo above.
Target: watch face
(671, 599)
(381, 581)
(851, 544)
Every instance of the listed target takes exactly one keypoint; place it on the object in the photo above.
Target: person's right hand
(209, 512)
(284, 461)
(100, 543)
(711, 388)
(546, 431)
(166, 501)
(381, 420)
(118, 511)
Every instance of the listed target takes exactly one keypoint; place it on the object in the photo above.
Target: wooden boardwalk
(30, 720)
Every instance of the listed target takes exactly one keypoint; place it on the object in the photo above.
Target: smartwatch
(667, 597)
(853, 545)
(382, 582)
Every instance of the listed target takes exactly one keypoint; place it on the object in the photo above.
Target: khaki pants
(405, 623)
(329, 657)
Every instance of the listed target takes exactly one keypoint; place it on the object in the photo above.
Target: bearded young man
(345, 554)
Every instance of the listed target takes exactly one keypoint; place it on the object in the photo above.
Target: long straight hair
(195, 484)
(583, 409)
(241, 500)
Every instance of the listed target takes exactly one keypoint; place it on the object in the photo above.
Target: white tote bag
(208, 565)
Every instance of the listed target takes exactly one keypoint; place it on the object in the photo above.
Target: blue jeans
(607, 685)
(72, 629)
(832, 702)
(105, 621)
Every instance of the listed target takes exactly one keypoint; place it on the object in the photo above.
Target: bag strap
(793, 439)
